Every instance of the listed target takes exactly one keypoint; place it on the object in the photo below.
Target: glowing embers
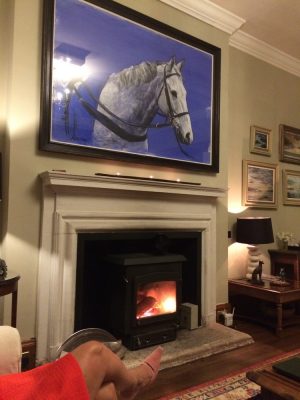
(156, 298)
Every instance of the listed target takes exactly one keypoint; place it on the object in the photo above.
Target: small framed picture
(291, 187)
(260, 140)
(289, 145)
(260, 181)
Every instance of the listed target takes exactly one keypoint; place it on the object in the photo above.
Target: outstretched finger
(142, 375)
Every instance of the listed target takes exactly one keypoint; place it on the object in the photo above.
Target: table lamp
(254, 231)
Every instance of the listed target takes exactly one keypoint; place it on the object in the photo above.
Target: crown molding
(259, 49)
(208, 12)
(214, 15)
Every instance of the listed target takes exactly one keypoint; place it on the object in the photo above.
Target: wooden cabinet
(28, 354)
(287, 259)
(9, 284)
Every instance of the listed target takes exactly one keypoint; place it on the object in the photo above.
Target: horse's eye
(174, 93)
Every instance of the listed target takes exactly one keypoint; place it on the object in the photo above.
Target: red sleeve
(58, 380)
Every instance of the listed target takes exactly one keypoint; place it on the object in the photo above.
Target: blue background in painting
(115, 43)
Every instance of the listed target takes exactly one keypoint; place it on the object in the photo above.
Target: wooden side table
(273, 385)
(287, 259)
(278, 295)
(8, 285)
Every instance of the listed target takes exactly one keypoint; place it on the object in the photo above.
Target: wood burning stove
(120, 277)
(145, 297)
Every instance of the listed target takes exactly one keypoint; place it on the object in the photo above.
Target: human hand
(142, 376)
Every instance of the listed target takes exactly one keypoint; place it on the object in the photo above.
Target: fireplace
(88, 204)
(132, 283)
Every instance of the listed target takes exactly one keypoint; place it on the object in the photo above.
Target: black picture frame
(203, 105)
(1, 177)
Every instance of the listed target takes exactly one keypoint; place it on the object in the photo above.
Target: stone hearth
(76, 203)
(193, 345)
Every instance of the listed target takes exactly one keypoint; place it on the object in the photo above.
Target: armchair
(10, 350)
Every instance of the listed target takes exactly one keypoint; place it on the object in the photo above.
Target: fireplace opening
(133, 283)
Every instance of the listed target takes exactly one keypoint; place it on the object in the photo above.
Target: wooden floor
(266, 345)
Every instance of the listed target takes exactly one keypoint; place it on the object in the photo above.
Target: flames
(156, 298)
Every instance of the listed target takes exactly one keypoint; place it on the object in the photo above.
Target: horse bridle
(131, 137)
(171, 115)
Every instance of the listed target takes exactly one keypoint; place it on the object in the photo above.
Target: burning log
(145, 306)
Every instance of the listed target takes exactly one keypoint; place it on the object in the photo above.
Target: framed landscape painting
(291, 187)
(118, 84)
(260, 140)
(260, 182)
(289, 144)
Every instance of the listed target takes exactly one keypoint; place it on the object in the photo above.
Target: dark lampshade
(254, 230)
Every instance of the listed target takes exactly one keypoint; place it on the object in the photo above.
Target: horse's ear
(172, 62)
(180, 65)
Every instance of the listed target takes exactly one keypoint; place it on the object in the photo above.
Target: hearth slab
(193, 345)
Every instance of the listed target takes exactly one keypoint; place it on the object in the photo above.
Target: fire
(169, 305)
(156, 298)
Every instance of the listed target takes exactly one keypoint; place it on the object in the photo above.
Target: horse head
(172, 101)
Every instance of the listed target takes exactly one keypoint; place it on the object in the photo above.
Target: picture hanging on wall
(289, 140)
(291, 187)
(260, 141)
(260, 181)
(118, 84)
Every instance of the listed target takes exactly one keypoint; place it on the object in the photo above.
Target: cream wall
(262, 95)
(24, 162)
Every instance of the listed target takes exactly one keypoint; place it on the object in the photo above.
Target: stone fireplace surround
(80, 203)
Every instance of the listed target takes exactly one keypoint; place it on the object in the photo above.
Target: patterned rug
(231, 387)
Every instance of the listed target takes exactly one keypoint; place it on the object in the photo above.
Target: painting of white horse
(132, 98)
(124, 85)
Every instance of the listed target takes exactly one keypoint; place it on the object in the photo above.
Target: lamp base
(256, 282)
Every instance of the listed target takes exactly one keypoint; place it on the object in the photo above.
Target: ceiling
(275, 22)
